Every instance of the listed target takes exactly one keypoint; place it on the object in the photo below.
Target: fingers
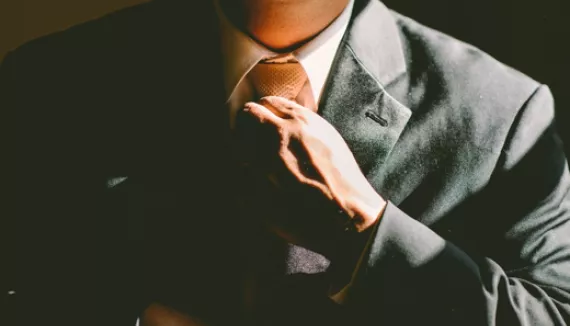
(262, 113)
(289, 118)
(280, 107)
(283, 107)
(281, 103)
(293, 165)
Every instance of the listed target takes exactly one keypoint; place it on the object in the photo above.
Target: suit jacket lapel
(355, 101)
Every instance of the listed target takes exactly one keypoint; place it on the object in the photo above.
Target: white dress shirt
(241, 53)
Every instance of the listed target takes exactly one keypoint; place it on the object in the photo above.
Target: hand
(315, 155)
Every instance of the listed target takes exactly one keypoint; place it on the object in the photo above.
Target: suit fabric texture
(119, 189)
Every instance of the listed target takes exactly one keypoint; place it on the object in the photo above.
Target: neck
(282, 25)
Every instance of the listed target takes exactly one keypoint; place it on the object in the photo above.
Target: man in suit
(270, 162)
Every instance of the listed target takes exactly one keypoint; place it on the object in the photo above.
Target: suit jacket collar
(374, 38)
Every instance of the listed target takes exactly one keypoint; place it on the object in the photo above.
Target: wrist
(363, 217)
(366, 211)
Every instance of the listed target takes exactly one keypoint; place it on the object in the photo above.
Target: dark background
(529, 35)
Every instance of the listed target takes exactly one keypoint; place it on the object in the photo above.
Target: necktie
(282, 76)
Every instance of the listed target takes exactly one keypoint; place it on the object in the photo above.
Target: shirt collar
(241, 53)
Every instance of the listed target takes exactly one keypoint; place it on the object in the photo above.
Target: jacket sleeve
(414, 276)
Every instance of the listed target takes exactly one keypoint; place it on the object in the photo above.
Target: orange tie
(283, 77)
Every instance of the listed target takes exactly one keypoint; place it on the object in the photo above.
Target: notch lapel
(355, 101)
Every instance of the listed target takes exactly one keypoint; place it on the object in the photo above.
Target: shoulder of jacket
(468, 74)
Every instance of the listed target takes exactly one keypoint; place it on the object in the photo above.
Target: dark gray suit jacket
(118, 188)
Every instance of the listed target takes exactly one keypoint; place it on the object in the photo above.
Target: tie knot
(283, 78)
